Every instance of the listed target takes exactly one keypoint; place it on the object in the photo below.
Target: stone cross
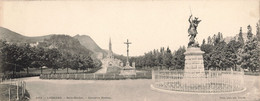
(127, 59)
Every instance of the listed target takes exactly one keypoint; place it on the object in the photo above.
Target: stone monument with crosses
(127, 69)
(127, 58)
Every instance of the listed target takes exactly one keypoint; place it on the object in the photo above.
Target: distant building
(34, 44)
(109, 60)
(110, 52)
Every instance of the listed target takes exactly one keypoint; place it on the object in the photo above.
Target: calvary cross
(127, 43)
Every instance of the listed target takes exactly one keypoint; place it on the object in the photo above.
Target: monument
(127, 58)
(194, 79)
(128, 70)
(194, 66)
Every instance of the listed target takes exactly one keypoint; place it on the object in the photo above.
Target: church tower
(110, 53)
(110, 45)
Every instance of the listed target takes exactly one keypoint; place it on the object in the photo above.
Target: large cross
(127, 43)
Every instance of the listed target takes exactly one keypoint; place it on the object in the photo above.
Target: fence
(96, 76)
(211, 82)
(18, 75)
(16, 89)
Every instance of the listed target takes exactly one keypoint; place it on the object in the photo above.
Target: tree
(250, 55)
(207, 48)
(249, 33)
(231, 54)
(159, 59)
(209, 40)
(86, 62)
(258, 30)
(217, 56)
(203, 42)
(167, 60)
(3, 45)
(26, 57)
(15, 58)
(220, 36)
(240, 36)
(250, 52)
(179, 58)
(53, 58)
(217, 38)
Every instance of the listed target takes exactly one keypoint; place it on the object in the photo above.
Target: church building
(109, 60)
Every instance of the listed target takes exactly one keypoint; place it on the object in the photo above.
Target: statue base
(128, 70)
(194, 66)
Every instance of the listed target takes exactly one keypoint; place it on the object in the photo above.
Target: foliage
(60, 51)
(258, 30)
(218, 54)
(250, 55)
(179, 58)
(240, 36)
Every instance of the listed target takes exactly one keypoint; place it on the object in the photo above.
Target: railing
(206, 82)
(96, 76)
(16, 89)
(18, 75)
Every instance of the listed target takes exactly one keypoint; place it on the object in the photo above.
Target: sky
(148, 24)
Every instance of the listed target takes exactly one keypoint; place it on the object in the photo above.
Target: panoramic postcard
(129, 50)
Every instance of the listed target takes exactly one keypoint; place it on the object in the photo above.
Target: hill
(13, 37)
(65, 43)
(88, 42)
(84, 40)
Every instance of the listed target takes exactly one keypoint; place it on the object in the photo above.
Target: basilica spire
(110, 44)
(110, 53)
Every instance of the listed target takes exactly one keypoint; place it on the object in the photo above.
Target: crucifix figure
(127, 59)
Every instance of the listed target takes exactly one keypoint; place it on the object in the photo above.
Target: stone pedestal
(128, 70)
(133, 64)
(127, 64)
(121, 64)
(194, 66)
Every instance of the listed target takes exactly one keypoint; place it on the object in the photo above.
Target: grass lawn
(4, 93)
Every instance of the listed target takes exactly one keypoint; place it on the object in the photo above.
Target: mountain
(84, 41)
(11, 36)
(89, 43)
(65, 43)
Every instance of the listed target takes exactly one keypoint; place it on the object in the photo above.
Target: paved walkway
(124, 90)
(102, 70)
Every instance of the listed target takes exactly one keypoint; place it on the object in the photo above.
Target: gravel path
(124, 90)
